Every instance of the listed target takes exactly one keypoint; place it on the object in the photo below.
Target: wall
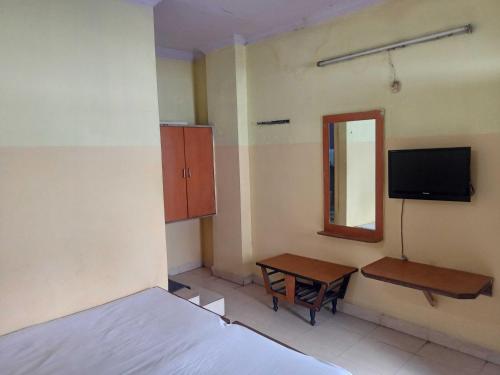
(183, 246)
(81, 193)
(449, 97)
(227, 103)
(175, 90)
(201, 114)
(200, 90)
(176, 98)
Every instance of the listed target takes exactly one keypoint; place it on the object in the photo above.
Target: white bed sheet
(151, 332)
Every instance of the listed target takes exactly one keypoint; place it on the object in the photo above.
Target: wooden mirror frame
(352, 233)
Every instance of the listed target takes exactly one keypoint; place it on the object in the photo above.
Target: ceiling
(185, 26)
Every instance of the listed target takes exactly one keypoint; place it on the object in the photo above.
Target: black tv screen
(434, 173)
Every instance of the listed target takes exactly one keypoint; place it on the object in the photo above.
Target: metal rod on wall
(466, 29)
(274, 122)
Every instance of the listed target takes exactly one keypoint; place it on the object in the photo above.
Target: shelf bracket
(429, 297)
(488, 290)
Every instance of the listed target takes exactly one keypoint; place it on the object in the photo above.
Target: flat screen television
(433, 174)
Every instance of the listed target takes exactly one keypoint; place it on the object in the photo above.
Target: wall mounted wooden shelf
(429, 279)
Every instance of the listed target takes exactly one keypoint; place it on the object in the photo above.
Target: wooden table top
(308, 268)
(444, 281)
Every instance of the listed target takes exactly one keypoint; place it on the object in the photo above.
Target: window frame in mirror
(342, 231)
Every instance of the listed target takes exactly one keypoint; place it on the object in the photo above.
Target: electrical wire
(403, 256)
(393, 68)
(395, 83)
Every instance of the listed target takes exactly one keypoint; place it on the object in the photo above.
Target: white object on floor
(212, 301)
(205, 298)
(189, 294)
(151, 332)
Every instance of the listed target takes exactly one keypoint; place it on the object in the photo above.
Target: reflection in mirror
(352, 156)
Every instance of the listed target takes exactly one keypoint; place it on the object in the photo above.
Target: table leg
(267, 282)
(334, 305)
(275, 303)
(343, 287)
(430, 298)
(317, 304)
(312, 314)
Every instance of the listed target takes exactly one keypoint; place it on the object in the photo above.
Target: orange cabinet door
(174, 173)
(198, 143)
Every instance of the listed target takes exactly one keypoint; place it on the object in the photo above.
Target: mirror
(353, 173)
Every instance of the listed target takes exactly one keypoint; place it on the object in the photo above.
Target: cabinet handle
(189, 172)
(183, 172)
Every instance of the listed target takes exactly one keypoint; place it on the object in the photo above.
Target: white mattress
(152, 332)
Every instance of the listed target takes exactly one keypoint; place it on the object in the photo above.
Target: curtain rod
(466, 29)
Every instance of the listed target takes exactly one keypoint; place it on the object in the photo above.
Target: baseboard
(184, 268)
(412, 329)
(257, 280)
(233, 277)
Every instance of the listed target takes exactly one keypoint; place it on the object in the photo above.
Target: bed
(151, 332)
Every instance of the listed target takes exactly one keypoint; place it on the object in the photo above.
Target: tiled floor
(360, 346)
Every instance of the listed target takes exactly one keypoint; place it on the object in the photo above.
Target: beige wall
(227, 111)
(201, 114)
(449, 98)
(175, 90)
(183, 246)
(176, 98)
(81, 218)
(200, 90)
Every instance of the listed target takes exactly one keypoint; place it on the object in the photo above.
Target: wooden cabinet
(174, 173)
(188, 172)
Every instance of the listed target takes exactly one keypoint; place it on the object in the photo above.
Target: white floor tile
(451, 358)
(362, 313)
(328, 339)
(351, 323)
(422, 366)
(376, 356)
(405, 327)
(400, 340)
(359, 367)
(491, 369)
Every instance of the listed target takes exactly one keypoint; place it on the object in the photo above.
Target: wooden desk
(304, 281)
(429, 279)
